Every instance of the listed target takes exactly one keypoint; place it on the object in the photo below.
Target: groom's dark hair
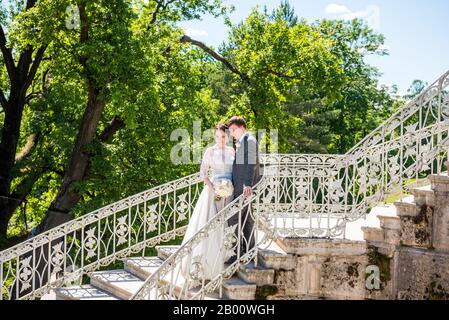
(237, 120)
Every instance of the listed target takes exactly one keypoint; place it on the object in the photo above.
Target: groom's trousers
(245, 233)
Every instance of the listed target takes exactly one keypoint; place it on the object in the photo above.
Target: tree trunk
(20, 77)
(8, 146)
(68, 196)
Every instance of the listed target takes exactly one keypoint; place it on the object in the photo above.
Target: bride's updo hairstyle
(222, 127)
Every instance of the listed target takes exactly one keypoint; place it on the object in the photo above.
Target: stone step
(119, 283)
(84, 292)
(422, 182)
(373, 234)
(424, 195)
(389, 222)
(142, 267)
(439, 182)
(163, 252)
(237, 289)
(391, 227)
(258, 275)
(322, 246)
(271, 259)
(407, 207)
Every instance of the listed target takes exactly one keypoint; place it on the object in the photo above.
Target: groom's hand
(247, 191)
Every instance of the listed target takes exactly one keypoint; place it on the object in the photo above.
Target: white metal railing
(181, 276)
(307, 195)
(314, 195)
(81, 246)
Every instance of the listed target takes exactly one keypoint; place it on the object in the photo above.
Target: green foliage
(280, 58)
(308, 80)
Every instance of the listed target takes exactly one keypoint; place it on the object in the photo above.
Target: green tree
(416, 88)
(363, 104)
(122, 79)
(21, 60)
(272, 58)
(97, 116)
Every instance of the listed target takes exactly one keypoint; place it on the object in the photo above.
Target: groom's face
(236, 131)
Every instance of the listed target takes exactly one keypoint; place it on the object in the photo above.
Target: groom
(245, 174)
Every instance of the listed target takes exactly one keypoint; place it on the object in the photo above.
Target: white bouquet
(223, 188)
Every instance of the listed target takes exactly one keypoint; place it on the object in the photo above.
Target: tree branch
(29, 146)
(279, 74)
(31, 96)
(30, 4)
(161, 5)
(215, 55)
(108, 133)
(37, 61)
(44, 91)
(7, 55)
(155, 12)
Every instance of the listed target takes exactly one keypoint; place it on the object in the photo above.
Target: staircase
(304, 206)
(413, 239)
(249, 283)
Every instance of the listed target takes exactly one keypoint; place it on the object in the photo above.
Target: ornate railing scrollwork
(299, 195)
(83, 245)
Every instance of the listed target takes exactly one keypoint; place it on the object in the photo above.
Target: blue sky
(417, 32)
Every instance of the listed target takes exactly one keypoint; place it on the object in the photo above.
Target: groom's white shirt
(241, 138)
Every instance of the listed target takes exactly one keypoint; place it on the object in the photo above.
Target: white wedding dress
(207, 258)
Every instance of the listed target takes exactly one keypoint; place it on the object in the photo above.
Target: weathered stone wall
(343, 277)
(339, 271)
(324, 268)
(410, 250)
(422, 274)
(417, 230)
(384, 259)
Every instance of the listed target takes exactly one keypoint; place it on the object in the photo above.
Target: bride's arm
(205, 164)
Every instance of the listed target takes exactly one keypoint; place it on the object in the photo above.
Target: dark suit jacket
(246, 167)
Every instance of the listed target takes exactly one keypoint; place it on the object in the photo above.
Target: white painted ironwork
(81, 246)
(171, 282)
(299, 195)
(316, 195)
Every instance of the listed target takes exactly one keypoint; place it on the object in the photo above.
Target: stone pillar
(440, 223)
(314, 275)
(391, 227)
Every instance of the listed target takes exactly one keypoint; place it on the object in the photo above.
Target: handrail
(440, 82)
(30, 269)
(365, 172)
(330, 188)
(217, 223)
(135, 199)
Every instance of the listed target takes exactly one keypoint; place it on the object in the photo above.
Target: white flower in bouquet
(223, 188)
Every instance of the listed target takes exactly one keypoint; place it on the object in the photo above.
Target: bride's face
(221, 138)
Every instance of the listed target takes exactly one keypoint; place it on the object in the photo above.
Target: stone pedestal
(326, 268)
(440, 223)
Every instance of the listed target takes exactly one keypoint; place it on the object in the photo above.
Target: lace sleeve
(205, 163)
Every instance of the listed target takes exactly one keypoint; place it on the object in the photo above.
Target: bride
(207, 257)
